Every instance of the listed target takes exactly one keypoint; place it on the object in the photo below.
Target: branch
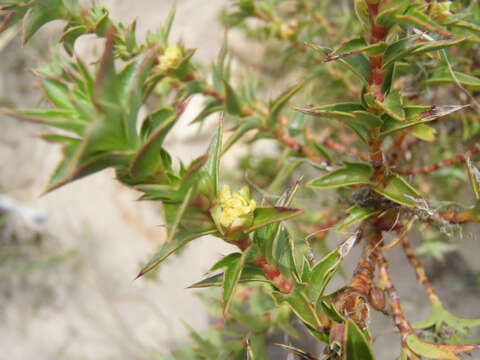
(398, 315)
(441, 164)
(419, 269)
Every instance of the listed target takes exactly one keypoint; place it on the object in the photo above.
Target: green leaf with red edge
(225, 262)
(444, 76)
(279, 103)
(283, 254)
(356, 214)
(436, 351)
(417, 114)
(147, 160)
(59, 118)
(351, 114)
(329, 310)
(357, 63)
(264, 216)
(321, 274)
(232, 104)
(211, 107)
(66, 173)
(416, 16)
(430, 46)
(401, 192)
(398, 50)
(57, 92)
(350, 174)
(388, 10)
(231, 277)
(265, 237)
(70, 36)
(250, 273)
(244, 126)
(301, 306)
(356, 346)
(41, 13)
(393, 105)
(180, 239)
(208, 173)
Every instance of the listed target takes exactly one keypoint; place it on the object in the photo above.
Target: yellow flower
(170, 58)
(233, 209)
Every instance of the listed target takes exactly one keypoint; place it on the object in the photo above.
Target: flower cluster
(233, 209)
(170, 58)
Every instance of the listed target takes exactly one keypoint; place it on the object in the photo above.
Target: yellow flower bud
(170, 58)
(233, 209)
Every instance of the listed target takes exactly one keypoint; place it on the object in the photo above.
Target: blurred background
(68, 259)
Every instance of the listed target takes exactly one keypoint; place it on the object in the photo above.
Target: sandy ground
(87, 305)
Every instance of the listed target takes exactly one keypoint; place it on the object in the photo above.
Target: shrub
(394, 124)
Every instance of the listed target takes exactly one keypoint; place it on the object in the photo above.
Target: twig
(441, 164)
(419, 270)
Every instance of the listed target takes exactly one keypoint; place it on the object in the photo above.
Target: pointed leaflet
(283, 254)
(220, 67)
(56, 91)
(179, 213)
(165, 30)
(411, 46)
(444, 76)
(357, 63)
(436, 351)
(148, 160)
(401, 192)
(180, 239)
(208, 172)
(268, 215)
(356, 214)
(351, 174)
(321, 274)
(232, 103)
(301, 306)
(393, 105)
(250, 273)
(265, 236)
(356, 346)
(59, 118)
(351, 114)
(244, 126)
(65, 173)
(417, 114)
(388, 10)
(277, 105)
(231, 278)
(440, 317)
(39, 14)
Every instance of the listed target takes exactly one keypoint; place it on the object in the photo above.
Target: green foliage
(376, 74)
